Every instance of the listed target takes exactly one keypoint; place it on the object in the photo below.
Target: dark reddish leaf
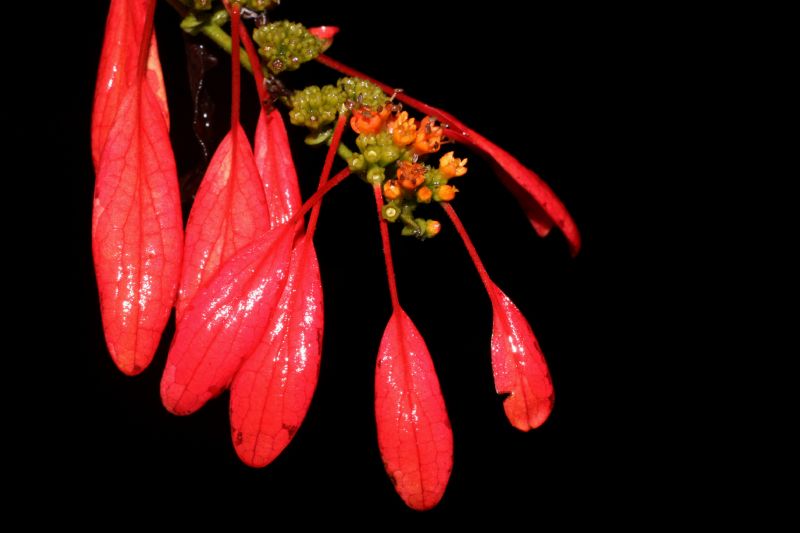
(225, 321)
(272, 390)
(414, 433)
(520, 370)
(137, 230)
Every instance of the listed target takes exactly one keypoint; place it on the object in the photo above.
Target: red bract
(229, 211)
(543, 208)
(136, 224)
(540, 203)
(117, 72)
(272, 391)
(225, 322)
(414, 433)
(229, 316)
(326, 33)
(230, 208)
(520, 370)
(273, 158)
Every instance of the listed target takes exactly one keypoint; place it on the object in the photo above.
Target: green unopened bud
(191, 24)
(357, 163)
(375, 174)
(220, 18)
(315, 108)
(391, 212)
(390, 154)
(364, 140)
(434, 178)
(415, 229)
(261, 5)
(286, 45)
(362, 92)
(372, 154)
(202, 5)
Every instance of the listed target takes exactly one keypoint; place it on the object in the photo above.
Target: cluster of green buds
(286, 45)
(255, 5)
(317, 108)
(391, 146)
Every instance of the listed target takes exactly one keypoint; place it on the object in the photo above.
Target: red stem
(255, 63)
(236, 74)
(252, 54)
(473, 253)
(387, 249)
(144, 52)
(326, 171)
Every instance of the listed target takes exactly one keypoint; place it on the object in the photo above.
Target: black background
(552, 86)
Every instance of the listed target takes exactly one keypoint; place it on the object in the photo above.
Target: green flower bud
(364, 140)
(390, 154)
(409, 231)
(261, 5)
(391, 212)
(191, 24)
(375, 174)
(315, 108)
(372, 154)
(286, 45)
(415, 229)
(357, 163)
(202, 5)
(220, 18)
(362, 92)
(434, 178)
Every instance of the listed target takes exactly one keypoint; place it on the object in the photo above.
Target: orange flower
(403, 129)
(367, 121)
(391, 190)
(445, 193)
(424, 195)
(429, 137)
(411, 175)
(452, 167)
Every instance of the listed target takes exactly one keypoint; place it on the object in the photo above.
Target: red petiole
(387, 248)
